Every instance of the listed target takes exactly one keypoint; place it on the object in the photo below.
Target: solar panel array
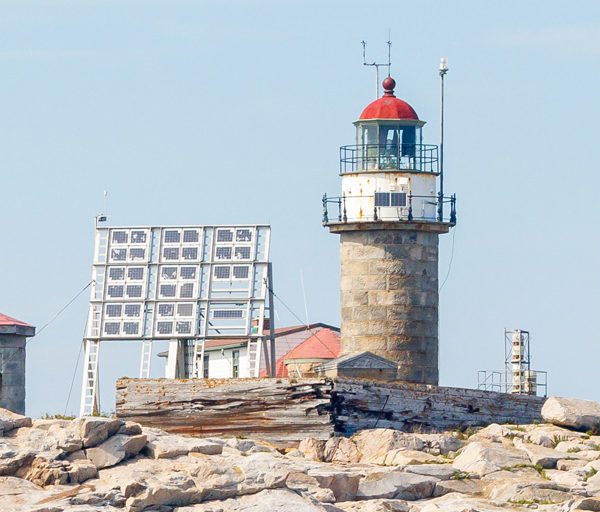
(178, 282)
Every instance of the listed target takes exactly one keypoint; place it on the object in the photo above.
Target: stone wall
(12, 371)
(389, 297)
(284, 411)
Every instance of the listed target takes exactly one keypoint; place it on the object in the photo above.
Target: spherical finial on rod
(388, 85)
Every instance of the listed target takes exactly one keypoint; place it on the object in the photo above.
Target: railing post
(440, 215)
(410, 215)
(325, 216)
(453, 209)
(345, 214)
(375, 218)
(339, 210)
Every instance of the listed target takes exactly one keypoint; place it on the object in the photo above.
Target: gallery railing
(399, 207)
(389, 157)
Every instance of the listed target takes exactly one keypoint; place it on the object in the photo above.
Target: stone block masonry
(12, 373)
(389, 298)
(284, 411)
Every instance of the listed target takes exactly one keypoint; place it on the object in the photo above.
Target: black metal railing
(364, 209)
(389, 157)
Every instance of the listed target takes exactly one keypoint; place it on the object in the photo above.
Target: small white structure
(517, 378)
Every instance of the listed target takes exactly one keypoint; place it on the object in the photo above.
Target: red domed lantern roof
(388, 106)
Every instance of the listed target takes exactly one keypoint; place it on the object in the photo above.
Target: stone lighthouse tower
(389, 217)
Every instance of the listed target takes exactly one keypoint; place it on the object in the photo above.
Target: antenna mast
(377, 65)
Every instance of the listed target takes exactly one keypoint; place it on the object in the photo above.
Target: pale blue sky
(233, 112)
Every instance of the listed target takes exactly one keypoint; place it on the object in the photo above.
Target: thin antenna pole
(376, 65)
(443, 71)
(389, 43)
(304, 296)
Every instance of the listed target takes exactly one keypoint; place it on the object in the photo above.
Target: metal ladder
(198, 360)
(89, 392)
(146, 359)
(254, 349)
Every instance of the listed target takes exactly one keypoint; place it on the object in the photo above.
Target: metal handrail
(378, 157)
(404, 213)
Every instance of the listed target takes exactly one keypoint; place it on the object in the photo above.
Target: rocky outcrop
(100, 464)
(571, 412)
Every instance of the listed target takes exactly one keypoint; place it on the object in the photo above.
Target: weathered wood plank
(284, 411)
(360, 405)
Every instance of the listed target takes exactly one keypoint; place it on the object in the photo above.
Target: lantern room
(389, 136)
(388, 174)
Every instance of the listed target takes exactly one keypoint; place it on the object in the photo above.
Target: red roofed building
(322, 346)
(13, 338)
(303, 345)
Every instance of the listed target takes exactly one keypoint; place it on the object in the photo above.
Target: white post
(89, 388)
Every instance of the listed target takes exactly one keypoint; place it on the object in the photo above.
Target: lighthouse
(389, 217)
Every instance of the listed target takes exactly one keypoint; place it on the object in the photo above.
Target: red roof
(323, 344)
(388, 106)
(7, 320)
(281, 331)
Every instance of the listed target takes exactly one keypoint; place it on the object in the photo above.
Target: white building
(228, 358)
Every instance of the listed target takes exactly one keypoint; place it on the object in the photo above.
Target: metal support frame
(146, 359)
(246, 249)
(272, 366)
(90, 400)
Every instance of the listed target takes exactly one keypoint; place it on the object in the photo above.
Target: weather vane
(377, 65)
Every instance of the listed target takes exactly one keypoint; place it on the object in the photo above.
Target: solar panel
(223, 253)
(135, 273)
(113, 310)
(131, 327)
(171, 253)
(167, 290)
(134, 290)
(241, 271)
(137, 254)
(189, 253)
(132, 310)
(165, 309)
(165, 282)
(222, 272)
(225, 235)
(186, 291)
(115, 291)
(172, 236)
(188, 272)
(190, 236)
(120, 237)
(227, 313)
(112, 328)
(242, 253)
(116, 273)
(243, 235)
(138, 237)
(164, 327)
(118, 254)
(185, 309)
(183, 327)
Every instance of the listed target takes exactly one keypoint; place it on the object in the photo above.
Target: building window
(235, 363)
(205, 366)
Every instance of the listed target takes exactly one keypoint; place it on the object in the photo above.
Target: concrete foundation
(389, 295)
